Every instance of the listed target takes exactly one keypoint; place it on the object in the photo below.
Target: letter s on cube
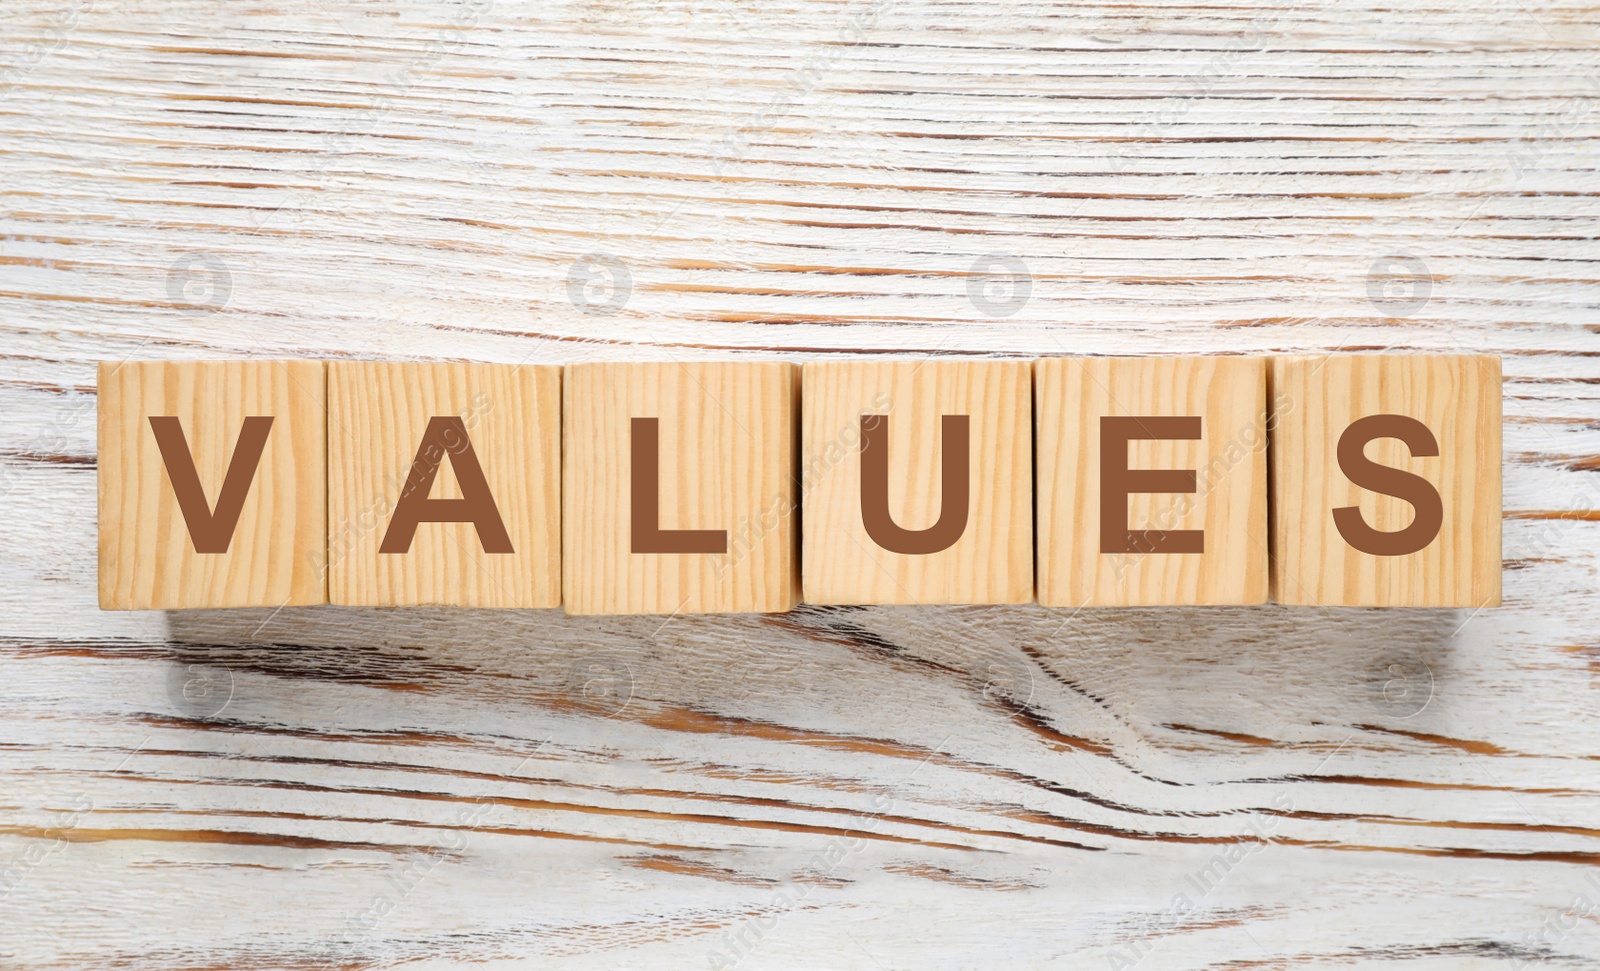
(1386, 480)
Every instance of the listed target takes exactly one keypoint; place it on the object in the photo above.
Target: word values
(621, 488)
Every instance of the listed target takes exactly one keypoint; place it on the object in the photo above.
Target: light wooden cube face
(496, 432)
(723, 438)
(1112, 532)
(1448, 405)
(271, 518)
(853, 552)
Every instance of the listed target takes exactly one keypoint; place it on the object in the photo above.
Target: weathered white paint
(1035, 788)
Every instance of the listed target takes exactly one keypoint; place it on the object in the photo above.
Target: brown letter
(647, 534)
(211, 532)
(1367, 474)
(1117, 480)
(954, 460)
(446, 434)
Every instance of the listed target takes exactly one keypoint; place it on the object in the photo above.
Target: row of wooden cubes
(716, 487)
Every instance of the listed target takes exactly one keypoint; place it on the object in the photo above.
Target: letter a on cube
(1386, 480)
(212, 489)
(1152, 481)
(917, 485)
(680, 488)
(444, 484)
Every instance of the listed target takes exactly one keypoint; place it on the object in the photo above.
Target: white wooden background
(846, 788)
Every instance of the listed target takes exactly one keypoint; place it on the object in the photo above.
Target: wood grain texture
(992, 561)
(377, 416)
(858, 788)
(1315, 400)
(148, 558)
(1227, 504)
(726, 444)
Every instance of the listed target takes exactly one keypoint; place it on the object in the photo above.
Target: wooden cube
(212, 489)
(1151, 481)
(444, 484)
(917, 482)
(1386, 480)
(680, 488)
